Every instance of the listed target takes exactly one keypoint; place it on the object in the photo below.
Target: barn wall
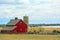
(0, 29)
(8, 27)
(20, 27)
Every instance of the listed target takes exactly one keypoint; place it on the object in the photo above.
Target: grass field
(28, 37)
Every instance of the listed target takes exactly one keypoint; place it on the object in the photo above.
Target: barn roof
(13, 22)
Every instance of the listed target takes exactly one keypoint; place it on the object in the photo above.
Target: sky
(39, 11)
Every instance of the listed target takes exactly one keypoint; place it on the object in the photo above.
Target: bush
(30, 32)
(55, 31)
(58, 31)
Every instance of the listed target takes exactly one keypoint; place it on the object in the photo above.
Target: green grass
(28, 37)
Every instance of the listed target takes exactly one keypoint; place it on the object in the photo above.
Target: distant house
(15, 26)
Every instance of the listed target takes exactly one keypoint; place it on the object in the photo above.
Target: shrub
(55, 31)
(30, 32)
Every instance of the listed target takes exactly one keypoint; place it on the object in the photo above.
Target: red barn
(15, 26)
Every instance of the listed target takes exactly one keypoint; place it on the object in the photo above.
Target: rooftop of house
(13, 21)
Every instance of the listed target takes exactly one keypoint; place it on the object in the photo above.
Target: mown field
(28, 37)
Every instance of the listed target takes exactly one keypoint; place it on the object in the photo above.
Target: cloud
(47, 10)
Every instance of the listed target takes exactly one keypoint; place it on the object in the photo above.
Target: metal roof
(13, 22)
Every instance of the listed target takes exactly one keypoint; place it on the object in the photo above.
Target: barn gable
(20, 27)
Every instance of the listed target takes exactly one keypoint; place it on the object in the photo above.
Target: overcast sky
(39, 11)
